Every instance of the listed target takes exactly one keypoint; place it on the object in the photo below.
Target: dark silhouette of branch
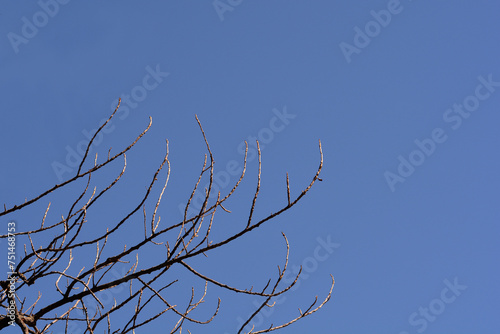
(76, 290)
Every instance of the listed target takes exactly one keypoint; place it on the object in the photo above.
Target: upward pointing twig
(288, 188)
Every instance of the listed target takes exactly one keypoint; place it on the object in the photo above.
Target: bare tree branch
(76, 298)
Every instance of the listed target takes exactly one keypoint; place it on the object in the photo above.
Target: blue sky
(403, 95)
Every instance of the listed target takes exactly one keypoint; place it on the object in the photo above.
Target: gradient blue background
(396, 248)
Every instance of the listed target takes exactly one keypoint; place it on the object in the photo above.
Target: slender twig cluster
(74, 290)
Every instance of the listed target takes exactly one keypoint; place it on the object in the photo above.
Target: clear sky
(403, 95)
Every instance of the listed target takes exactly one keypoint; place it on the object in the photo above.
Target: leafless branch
(77, 300)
